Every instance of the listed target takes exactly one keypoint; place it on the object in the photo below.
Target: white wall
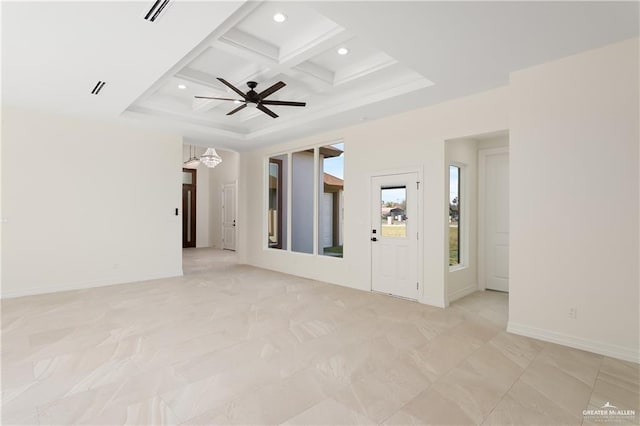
(463, 280)
(86, 203)
(500, 140)
(225, 172)
(413, 139)
(574, 201)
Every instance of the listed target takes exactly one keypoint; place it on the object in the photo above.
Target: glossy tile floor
(229, 344)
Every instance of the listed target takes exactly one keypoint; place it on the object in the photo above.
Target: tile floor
(230, 344)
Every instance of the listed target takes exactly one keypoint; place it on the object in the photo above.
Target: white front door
(229, 216)
(394, 234)
(496, 219)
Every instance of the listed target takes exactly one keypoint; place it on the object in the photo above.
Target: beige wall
(86, 204)
(413, 139)
(574, 201)
(573, 129)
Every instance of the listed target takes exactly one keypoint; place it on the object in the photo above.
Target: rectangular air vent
(155, 10)
(98, 87)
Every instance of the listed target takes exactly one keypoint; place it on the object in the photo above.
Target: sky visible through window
(335, 165)
(453, 183)
(394, 195)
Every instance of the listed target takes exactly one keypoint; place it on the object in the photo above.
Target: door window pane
(187, 178)
(331, 199)
(393, 211)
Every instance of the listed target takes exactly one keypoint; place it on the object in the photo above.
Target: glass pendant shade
(210, 158)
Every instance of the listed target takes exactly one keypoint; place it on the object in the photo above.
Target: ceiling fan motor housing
(252, 95)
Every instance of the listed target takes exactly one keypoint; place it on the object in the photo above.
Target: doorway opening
(189, 177)
(477, 226)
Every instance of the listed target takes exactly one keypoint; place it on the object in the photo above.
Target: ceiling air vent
(155, 10)
(98, 87)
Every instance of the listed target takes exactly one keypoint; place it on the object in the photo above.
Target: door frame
(482, 188)
(235, 189)
(420, 221)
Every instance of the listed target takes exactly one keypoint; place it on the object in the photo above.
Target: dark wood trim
(279, 190)
(194, 175)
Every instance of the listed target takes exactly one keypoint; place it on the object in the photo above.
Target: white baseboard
(437, 302)
(613, 351)
(42, 289)
(459, 294)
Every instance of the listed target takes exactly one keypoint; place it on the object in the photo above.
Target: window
(277, 210)
(455, 229)
(393, 202)
(330, 204)
(305, 205)
(302, 205)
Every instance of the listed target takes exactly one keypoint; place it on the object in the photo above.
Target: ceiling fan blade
(267, 110)
(220, 99)
(287, 103)
(237, 109)
(279, 85)
(232, 87)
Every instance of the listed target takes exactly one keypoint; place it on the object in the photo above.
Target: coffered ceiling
(401, 55)
(302, 51)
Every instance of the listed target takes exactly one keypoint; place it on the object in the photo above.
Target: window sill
(456, 268)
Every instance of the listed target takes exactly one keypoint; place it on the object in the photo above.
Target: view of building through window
(277, 210)
(331, 201)
(329, 160)
(393, 211)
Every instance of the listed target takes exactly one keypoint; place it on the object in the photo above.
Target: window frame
(289, 185)
(463, 228)
(279, 163)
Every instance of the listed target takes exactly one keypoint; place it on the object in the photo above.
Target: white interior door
(229, 216)
(394, 235)
(496, 220)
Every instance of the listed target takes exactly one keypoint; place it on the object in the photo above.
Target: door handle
(374, 239)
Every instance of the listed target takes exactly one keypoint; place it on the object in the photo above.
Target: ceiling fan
(253, 97)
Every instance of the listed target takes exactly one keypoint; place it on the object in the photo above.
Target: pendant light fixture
(192, 162)
(210, 158)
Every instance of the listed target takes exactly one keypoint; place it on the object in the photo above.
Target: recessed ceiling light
(237, 102)
(343, 51)
(182, 86)
(279, 17)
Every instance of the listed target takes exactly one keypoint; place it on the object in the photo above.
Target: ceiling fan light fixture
(237, 102)
(343, 51)
(279, 17)
(210, 158)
